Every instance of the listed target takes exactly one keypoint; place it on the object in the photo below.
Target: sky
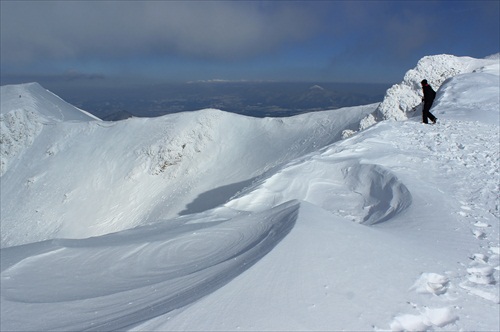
(118, 42)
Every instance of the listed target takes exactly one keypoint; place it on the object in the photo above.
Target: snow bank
(34, 98)
(472, 100)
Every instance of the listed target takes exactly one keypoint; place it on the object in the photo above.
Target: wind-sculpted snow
(460, 100)
(383, 195)
(129, 277)
(363, 193)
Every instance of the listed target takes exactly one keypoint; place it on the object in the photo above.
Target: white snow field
(208, 220)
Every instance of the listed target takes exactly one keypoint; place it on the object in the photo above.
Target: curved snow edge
(384, 195)
(174, 266)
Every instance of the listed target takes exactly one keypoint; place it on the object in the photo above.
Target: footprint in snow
(482, 275)
(479, 234)
(465, 211)
(480, 258)
(482, 224)
(431, 283)
(485, 294)
(495, 250)
(428, 318)
(480, 280)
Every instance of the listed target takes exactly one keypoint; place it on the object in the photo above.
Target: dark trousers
(426, 114)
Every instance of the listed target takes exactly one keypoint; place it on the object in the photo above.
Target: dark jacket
(429, 94)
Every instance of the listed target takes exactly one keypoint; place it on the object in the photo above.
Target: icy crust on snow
(404, 97)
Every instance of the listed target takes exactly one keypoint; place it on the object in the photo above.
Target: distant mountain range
(257, 99)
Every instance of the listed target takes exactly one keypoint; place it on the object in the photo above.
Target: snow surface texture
(215, 221)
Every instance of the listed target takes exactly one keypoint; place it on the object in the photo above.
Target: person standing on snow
(428, 99)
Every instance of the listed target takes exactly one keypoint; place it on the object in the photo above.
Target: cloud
(75, 75)
(114, 29)
(192, 40)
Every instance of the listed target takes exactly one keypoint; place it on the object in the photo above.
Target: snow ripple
(138, 274)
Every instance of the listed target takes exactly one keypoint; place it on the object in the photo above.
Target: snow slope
(100, 177)
(281, 227)
(24, 110)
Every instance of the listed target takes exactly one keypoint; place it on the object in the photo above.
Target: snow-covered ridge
(406, 96)
(24, 110)
(124, 174)
(32, 97)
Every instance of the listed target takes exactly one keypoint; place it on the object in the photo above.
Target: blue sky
(163, 41)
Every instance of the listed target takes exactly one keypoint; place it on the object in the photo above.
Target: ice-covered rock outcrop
(18, 129)
(406, 96)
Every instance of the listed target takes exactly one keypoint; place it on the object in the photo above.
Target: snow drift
(215, 221)
(174, 264)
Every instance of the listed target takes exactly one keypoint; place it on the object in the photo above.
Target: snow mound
(472, 100)
(367, 194)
